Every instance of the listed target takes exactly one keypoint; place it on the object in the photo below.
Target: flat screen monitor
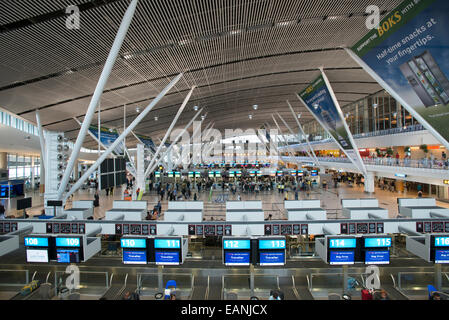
(441, 256)
(24, 203)
(167, 257)
(133, 243)
(35, 255)
(237, 244)
(441, 242)
(167, 243)
(134, 257)
(271, 244)
(237, 258)
(377, 257)
(68, 255)
(54, 203)
(377, 242)
(340, 243)
(272, 258)
(68, 242)
(341, 257)
(35, 242)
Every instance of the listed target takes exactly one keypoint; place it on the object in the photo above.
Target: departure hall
(239, 151)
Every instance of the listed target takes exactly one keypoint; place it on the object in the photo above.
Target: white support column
(121, 34)
(292, 155)
(111, 148)
(150, 169)
(167, 134)
(369, 182)
(41, 139)
(140, 178)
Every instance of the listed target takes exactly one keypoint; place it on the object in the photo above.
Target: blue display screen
(35, 242)
(236, 244)
(342, 243)
(134, 257)
(341, 257)
(441, 241)
(67, 242)
(164, 257)
(377, 242)
(237, 258)
(441, 256)
(133, 243)
(68, 256)
(167, 243)
(272, 244)
(377, 257)
(272, 258)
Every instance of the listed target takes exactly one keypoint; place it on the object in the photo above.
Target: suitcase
(366, 295)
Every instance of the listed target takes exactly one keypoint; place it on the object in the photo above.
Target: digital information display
(236, 244)
(271, 244)
(441, 241)
(134, 257)
(377, 242)
(67, 242)
(377, 257)
(68, 256)
(167, 243)
(342, 243)
(133, 243)
(34, 255)
(341, 257)
(35, 242)
(164, 257)
(441, 256)
(236, 258)
(272, 258)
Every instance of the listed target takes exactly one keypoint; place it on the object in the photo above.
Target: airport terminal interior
(224, 150)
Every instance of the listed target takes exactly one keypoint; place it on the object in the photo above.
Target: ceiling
(237, 52)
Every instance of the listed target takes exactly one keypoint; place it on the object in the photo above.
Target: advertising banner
(408, 55)
(107, 137)
(147, 141)
(319, 100)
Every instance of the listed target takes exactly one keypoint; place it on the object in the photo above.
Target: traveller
(195, 198)
(96, 200)
(435, 296)
(274, 295)
(2, 211)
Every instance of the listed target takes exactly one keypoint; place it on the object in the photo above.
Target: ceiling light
(127, 56)
(284, 23)
(156, 118)
(255, 106)
(316, 105)
(250, 116)
(375, 105)
(195, 108)
(299, 116)
(137, 109)
(203, 117)
(184, 42)
(234, 32)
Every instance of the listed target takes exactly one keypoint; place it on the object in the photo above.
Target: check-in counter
(189, 211)
(81, 210)
(8, 244)
(421, 208)
(304, 210)
(365, 208)
(244, 211)
(128, 210)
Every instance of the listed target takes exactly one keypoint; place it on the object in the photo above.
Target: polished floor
(273, 201)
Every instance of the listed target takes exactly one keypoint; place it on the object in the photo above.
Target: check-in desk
(244, 211)
(189, 211)
(127, 210)
(366, 208)
(81, 210)
(298, 210)
(421, 208)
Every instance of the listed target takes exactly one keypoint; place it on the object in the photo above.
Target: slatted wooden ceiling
(237, 52)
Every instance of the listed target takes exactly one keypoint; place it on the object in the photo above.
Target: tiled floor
(272, 201)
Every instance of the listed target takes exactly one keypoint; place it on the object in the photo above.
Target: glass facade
(20, 167)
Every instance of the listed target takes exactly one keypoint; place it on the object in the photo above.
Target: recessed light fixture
(137, 109)
(255, 106)
(156, 118)
(250, 116)
(234, 32)
(284, 23)
(195, 108)
(375, 105)
(316, 105)
(299, 116)
(203, 117)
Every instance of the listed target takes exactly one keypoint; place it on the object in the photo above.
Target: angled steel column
(303, 133)
(42, 139)
(121, 34)
(122, 136)
(183, 105)
(291, 131)
(195, 132)
(283, 138)
(150, 169)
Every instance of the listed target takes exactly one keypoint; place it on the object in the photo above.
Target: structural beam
(42, 139)
(120, 37)
(136, 121)
(167, 134)
(289, 149)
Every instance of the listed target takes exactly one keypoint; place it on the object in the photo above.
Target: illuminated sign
(378, 242)
(341, 257)
(35, 242)
(441, 241)
(400, 175)
(272, 244)
(67, 242)
(133, 243)
(342, 243)
(167, 243)
(236, 244)
(377, 257)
